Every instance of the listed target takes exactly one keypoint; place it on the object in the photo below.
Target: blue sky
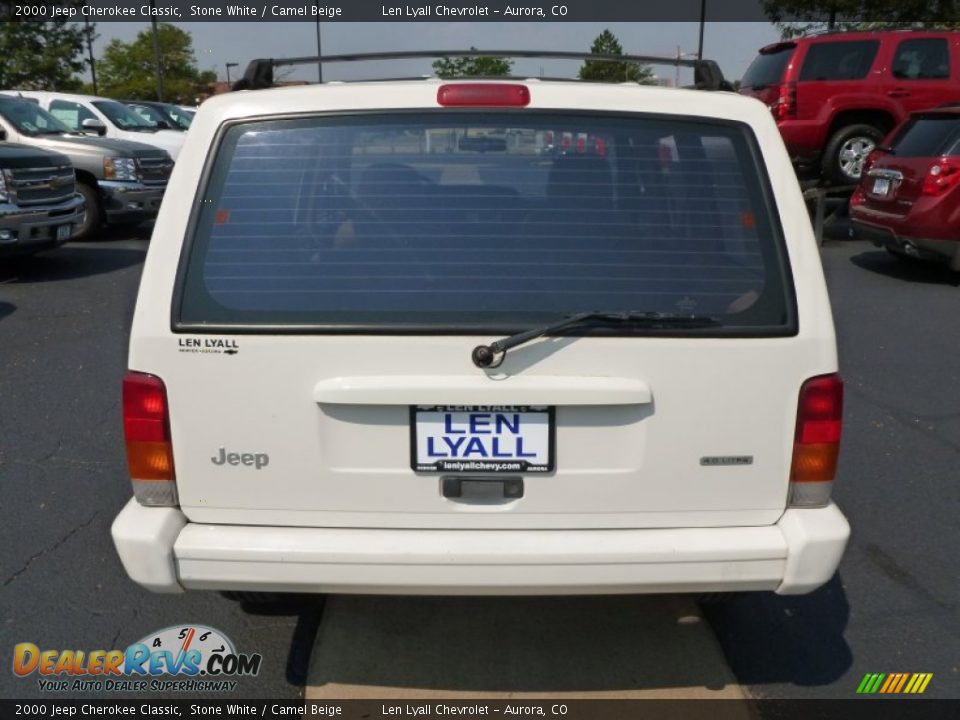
(732, 44)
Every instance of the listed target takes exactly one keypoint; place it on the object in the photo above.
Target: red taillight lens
(943, 175)
(816, 443)
(869, 162)
(483, 95)
(786, 105)
(581, 143)
(146, 429)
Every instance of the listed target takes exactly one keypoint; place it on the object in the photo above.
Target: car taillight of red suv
(908, 199)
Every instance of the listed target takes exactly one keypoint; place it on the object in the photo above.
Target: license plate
(486, 439)
(64, 232)
(881, 186)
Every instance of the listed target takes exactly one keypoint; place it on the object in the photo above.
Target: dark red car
(835, 95)
(908, 199)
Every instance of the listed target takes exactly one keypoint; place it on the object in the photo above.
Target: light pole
(703, 21)
(156, 51)
(93, 64)
(319, 52)
(230, 65)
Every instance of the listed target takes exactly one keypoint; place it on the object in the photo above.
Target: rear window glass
(928, 136)
(449, 221)
(767, 68)
(839, 60)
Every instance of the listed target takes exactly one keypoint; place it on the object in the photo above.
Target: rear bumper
(162, 552)
(921, 248)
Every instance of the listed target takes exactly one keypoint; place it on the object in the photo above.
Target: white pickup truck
(386, 343)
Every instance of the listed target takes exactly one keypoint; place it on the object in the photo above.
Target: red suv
(836, 95)
(909, 197)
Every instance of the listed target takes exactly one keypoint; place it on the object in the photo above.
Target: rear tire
(94, 215)
(847, 149)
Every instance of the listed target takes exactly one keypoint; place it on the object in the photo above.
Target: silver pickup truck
(122, 181)
(39, 205)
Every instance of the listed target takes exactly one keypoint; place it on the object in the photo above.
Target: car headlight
(4, 197)
(120, 169)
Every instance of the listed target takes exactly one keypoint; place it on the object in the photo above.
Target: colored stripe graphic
(894, 683)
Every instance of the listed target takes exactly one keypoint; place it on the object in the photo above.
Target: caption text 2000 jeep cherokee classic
(392, 338)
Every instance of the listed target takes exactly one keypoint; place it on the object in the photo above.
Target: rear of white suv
(316, 403)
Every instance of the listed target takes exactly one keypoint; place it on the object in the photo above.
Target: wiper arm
(492, 355)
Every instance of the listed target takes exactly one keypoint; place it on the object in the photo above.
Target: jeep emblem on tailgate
(257, 460)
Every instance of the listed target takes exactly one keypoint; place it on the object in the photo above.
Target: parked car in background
(908, 200)
(834, 96)
(104, 117)
(163, 115)
(39, 206)
(122, 182)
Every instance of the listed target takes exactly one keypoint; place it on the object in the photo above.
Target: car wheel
(94, 215)
(846, 151)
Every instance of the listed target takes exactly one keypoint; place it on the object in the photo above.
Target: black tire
(94, 216)
(858, 140)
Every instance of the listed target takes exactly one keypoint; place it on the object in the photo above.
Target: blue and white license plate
(482, 439)
(64, 232)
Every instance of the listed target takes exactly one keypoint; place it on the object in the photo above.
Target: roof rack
(259, 73)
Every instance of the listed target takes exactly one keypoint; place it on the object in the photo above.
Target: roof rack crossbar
(259, 73)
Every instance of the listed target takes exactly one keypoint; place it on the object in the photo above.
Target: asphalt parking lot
(893, 607)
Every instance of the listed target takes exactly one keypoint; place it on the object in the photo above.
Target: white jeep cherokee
(482, 337)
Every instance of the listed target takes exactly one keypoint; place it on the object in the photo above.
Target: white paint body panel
(634, 415)
(479, 562)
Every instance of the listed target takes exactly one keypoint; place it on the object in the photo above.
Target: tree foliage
(472, 66)
(606, 43)
(802, 17)
(40, 55)
(127, 70)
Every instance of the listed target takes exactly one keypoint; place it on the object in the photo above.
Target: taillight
(816, 444)
(581, 143)
(786, 106)
(869, 162)
(146, 429)
(943, 175)
(483, 95)
(600, 146)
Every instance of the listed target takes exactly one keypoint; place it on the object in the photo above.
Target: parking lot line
(518, 647)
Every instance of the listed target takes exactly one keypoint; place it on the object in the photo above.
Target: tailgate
(343, 268)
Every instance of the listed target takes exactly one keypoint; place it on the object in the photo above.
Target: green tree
(606, 43)
(802, 17)
(127, 70)
(472, 66)
(40, 55)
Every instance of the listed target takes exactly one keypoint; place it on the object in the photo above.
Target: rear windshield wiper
(492, 355)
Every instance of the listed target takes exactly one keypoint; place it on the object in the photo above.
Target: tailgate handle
(481, 390)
